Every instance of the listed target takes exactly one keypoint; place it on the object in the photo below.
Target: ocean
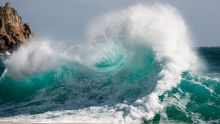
(136, 69)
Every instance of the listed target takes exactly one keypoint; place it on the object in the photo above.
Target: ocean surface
(132, 70)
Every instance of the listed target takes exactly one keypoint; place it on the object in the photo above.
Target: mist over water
(137, 66)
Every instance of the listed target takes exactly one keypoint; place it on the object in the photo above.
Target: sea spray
(133, 59)
(162, 28)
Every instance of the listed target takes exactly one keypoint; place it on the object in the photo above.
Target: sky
(67, 20)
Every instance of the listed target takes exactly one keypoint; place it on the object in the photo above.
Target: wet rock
(13, 31)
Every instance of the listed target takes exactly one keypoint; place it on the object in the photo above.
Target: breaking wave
(133, 57)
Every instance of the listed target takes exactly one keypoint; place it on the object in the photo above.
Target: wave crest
(149, 42)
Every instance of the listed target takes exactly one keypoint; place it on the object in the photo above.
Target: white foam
(162, 28)
(158, 26)
(37, 56)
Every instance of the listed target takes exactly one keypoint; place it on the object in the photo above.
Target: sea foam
(157, 26)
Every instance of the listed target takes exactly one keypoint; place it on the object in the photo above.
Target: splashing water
(137, 66)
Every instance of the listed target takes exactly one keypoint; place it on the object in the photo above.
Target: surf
(132, 59)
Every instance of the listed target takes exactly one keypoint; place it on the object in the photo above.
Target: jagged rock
(13, 31)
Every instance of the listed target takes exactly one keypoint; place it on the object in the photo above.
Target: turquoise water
(115, 79)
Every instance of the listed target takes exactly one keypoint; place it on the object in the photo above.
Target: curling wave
(131, 59)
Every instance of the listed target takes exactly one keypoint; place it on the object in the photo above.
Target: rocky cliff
(13, 31)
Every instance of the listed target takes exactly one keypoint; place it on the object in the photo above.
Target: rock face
(13, 31)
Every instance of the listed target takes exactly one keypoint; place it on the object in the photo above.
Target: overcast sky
(66, 20)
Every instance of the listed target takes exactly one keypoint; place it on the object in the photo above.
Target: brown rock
(13, 31)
